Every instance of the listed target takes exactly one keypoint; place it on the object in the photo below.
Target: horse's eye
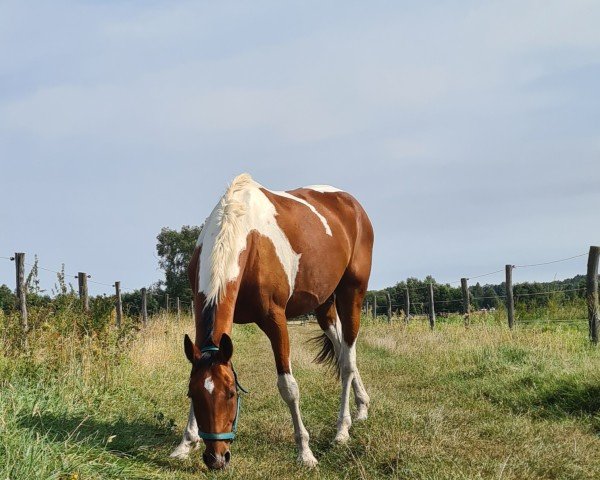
(230, 394)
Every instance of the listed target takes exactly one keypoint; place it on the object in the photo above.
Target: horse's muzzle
(216, 461)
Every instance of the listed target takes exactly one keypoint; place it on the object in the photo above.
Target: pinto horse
(265, 256)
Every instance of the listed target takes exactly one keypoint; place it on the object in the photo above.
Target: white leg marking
(360, 397)
(190, 437)
(334, 332)
(288, 389)
(347, 369)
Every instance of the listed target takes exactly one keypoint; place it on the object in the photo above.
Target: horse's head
(214, 397)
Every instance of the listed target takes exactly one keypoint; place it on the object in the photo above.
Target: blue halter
(227, 435)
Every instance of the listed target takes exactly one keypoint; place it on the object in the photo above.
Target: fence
(429, 306)
(592, 303)
(175, 305)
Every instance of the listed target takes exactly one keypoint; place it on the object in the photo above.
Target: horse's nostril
(216, 462)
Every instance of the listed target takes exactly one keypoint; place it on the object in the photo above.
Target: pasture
(477, 402)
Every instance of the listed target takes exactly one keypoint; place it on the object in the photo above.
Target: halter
(238, 389)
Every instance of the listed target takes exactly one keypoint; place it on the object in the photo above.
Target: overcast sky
(470, 131)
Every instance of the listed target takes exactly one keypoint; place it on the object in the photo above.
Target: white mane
(245, 208)
(221, 234)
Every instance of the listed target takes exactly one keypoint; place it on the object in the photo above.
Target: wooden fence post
(407, 306)
(510, 301)
(118, 303)
(367, 308)
(178, 308)
(192, 310)
(21, 292)
(466, 303)
(83, 290)
(144, 307)
(374, 306)
(592, 293)
(431, 307)
(389, 307)
(167, 303)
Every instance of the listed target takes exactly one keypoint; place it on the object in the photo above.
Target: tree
(8, 300)
(175, 249)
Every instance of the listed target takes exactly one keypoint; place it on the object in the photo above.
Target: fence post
(21, 292)
(83, 290)
(144, 306)
(178, 308)
(167, 302)
(510, 301)
(118, 303)
(192, 309)
(389, 309)
(466, 304)
(592, 293)
(367, 308)
(431, 307)
(374, 306)
(407, 306)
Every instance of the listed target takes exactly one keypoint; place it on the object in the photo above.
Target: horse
(262, 257)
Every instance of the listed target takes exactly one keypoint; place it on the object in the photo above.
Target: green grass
(477, 402)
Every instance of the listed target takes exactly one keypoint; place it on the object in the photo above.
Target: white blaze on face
(312, 209)
(209, 385)
(243, 209)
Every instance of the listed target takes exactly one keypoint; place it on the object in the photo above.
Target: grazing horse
(265, 256)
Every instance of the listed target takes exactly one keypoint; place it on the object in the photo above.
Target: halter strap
(238, 388)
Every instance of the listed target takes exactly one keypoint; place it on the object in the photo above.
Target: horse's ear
(191, 351)
(225, 348)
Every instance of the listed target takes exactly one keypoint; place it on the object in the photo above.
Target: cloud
(455, 123)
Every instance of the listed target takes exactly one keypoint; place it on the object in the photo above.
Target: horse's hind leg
(342, 335)
(329, 321)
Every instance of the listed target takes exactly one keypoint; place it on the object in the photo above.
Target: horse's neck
(214, 322)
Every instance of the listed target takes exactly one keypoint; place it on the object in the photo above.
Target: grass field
(469, 403)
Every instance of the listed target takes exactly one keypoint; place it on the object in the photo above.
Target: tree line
(448, 298)
(174, 249)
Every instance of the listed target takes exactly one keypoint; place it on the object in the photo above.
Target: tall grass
(459, 402)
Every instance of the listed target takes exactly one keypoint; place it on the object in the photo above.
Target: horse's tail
(326, 355)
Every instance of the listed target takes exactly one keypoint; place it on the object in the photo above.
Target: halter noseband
(238, 389)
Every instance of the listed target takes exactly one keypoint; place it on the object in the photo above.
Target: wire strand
(552, 261)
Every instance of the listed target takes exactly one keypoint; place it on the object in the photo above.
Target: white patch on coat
(209, 385)
(243, 208)
(323, 188)
(312, 208)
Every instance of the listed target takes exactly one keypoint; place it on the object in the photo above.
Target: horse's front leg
(287, 385)
(190, 437)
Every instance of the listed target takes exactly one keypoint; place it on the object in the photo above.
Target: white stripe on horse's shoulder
(242, 209)
(323, 188)
(209, 385)
(312, 208)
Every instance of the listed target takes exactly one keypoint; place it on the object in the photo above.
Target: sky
(469, 131)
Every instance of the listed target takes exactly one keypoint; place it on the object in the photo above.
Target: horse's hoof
(182, 452)
(362, 414)
(307, 459)
(342, 437)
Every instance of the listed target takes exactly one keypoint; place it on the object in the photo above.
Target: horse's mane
(222, 230)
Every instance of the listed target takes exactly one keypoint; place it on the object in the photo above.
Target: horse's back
(332, 233)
